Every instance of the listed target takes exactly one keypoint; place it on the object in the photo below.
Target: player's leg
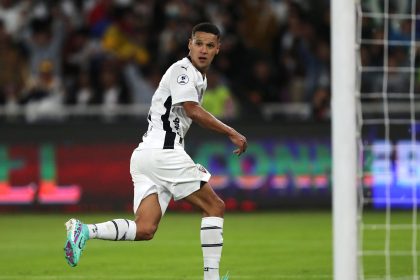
(207, 201)
(211, 236)
(181, 177)
(78, 234)
(150, 202)
(150, 198)
(148, 216)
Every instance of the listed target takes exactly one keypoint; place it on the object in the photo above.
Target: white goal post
(344, 139)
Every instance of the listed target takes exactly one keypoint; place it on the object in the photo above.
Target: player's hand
(239, 141)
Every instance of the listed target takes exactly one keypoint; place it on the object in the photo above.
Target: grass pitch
(283, 245)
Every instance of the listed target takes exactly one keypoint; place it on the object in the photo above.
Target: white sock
(117, 230)
(211, 244)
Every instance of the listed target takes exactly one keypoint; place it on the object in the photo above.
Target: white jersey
(168, 121)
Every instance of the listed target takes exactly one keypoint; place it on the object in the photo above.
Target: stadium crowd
(111, 52)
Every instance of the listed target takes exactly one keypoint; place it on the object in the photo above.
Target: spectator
(262, 85)
(111, 89)
(77, 53)
(320, 104)
(81, 94)
(98, 17)
(44, 94)
(45, 43)
(123, 37)
(318, 70)
(140, 88)
(14, 15)
(290, 50)
(218, 99)
(12, 71)
(259, 25)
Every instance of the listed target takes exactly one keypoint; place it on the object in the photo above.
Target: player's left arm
(205, 119)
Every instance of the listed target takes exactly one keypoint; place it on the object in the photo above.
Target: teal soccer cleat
(77, 235)
(226, 277)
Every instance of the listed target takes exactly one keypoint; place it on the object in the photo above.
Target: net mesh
(388, 86)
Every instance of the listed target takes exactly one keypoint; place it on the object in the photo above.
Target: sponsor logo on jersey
(183, 79)
(176, 122)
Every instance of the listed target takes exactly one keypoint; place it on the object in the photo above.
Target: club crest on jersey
(183, 79)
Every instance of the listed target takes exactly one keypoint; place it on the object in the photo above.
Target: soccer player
(161, 169)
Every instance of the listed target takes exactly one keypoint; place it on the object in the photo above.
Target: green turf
(283, 245)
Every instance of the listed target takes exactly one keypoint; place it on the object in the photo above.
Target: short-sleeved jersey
(168, 121)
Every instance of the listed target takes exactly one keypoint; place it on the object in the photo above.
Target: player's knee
(146, 232)
(221, 206)
(217, 208)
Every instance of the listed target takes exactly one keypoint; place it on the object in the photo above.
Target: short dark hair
(206, 27)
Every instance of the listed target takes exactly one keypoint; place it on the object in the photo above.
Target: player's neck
(202, 71)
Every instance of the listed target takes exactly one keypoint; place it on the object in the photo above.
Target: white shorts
(169, 173)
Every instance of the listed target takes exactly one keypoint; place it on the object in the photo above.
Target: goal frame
(344, 139)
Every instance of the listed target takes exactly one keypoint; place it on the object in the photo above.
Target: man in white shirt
(160, 167)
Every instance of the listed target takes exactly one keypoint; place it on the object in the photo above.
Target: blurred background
(77, 78)
(60, 58)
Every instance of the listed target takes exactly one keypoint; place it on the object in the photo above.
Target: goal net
(376, 153)
(387, 88)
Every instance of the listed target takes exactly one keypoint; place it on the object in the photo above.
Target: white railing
(291, 111)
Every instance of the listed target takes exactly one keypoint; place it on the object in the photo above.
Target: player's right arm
(199, 115)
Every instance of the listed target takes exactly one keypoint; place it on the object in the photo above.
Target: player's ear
(189, 44)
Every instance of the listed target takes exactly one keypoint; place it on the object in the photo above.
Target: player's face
(203, 47)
